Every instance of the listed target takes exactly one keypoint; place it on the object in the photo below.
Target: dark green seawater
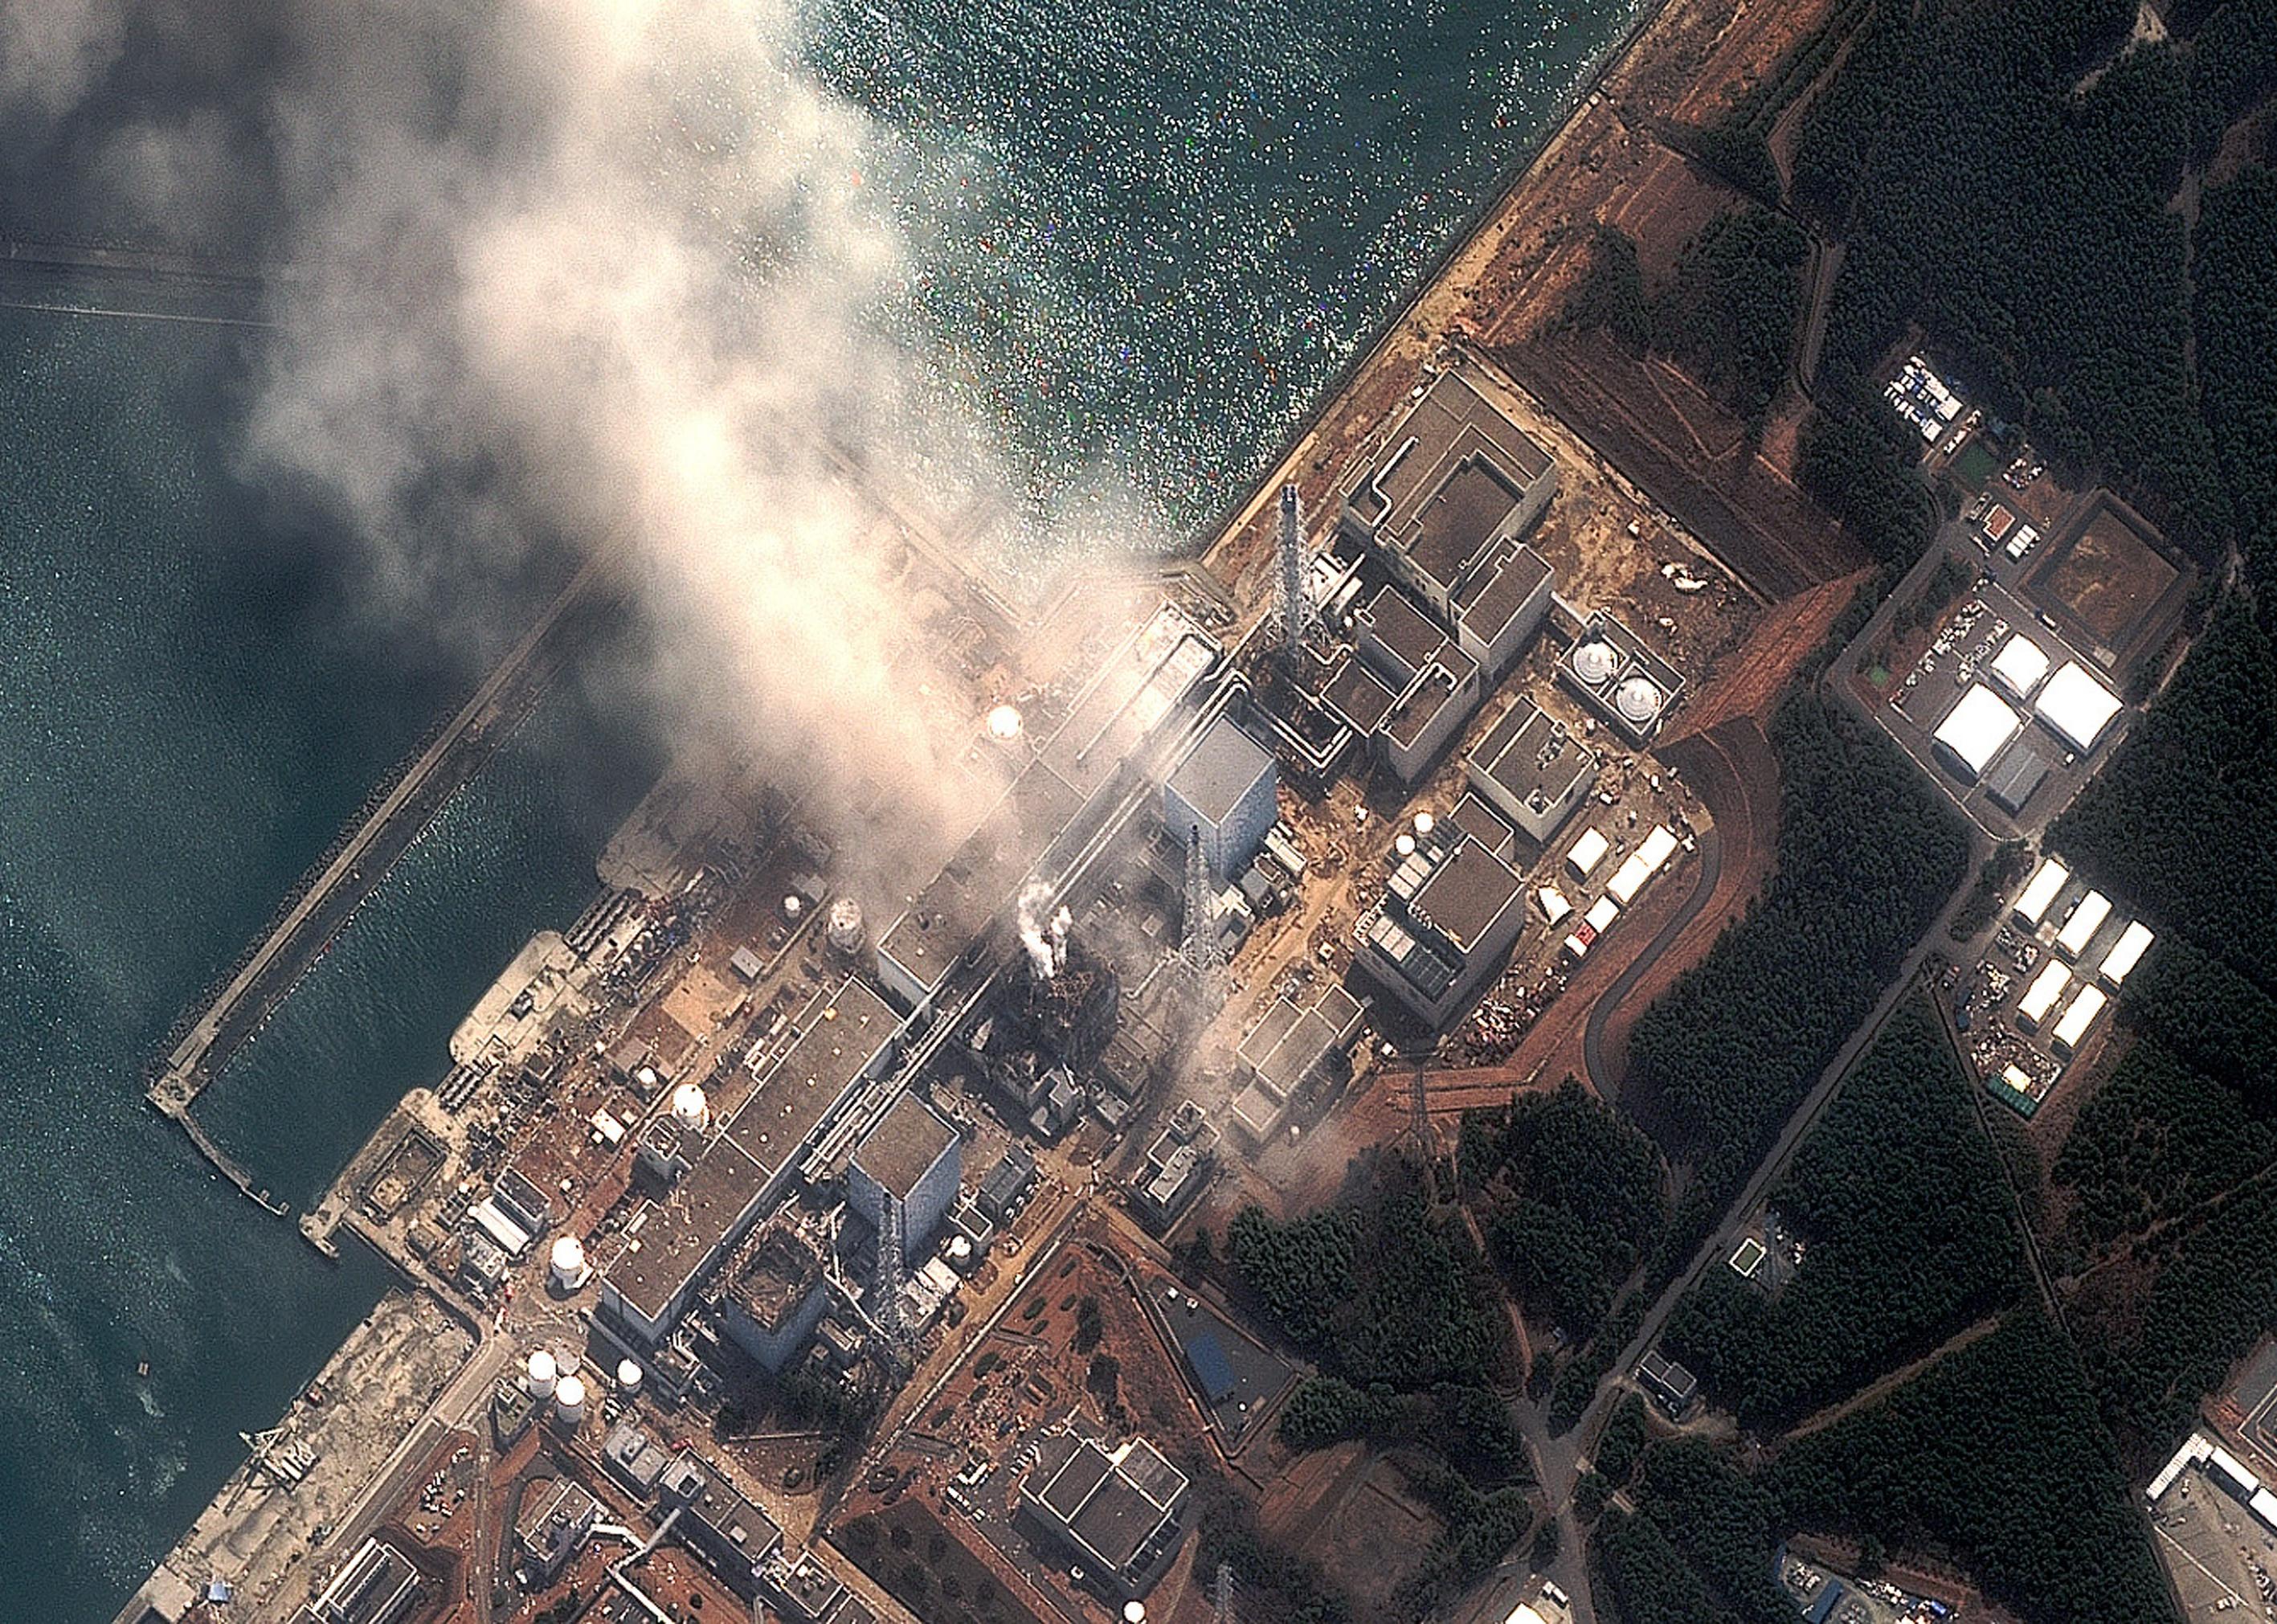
(1146, 237)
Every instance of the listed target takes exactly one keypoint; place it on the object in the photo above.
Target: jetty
(328, 897)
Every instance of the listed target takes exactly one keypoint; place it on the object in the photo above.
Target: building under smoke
(1037, 1037)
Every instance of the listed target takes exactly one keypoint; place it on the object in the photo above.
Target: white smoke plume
(601, 271)
(1043, 932)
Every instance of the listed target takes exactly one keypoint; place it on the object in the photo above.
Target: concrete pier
(328, 898)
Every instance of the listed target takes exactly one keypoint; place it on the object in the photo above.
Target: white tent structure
(2077, 707)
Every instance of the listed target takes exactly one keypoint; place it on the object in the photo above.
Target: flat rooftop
(679, 1232)
(1220, 769)
(1533, 758)
(906, 1143)
(1356, 694)
(1453, 468)
(840, 1033)
(1433, 693)
(1491, 598)
(1144, 681)
(1409, 637)
(1466, 893)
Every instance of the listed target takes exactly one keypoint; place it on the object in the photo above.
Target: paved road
(1593, 1033)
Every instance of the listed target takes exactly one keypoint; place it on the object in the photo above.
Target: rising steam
(1043, 932)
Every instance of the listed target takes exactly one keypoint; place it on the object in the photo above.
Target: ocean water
(1146, 234)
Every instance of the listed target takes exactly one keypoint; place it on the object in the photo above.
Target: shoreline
(1231, 518)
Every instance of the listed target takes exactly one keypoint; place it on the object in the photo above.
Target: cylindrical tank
(568, 1262)
(1405, 845)
(690, 1108)
(793, 907)
(843, 928)
(628, 1376)
(538, 1376)
(569, 1401)
(960, 1254)
(1638, 701)
(1134, 1613)
(1595, 661)
(1424, 824)
(1004, 722)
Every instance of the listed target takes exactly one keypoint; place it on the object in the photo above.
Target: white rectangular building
(1975, 730)
(2040, 892)
(2086, 1005)
(1594, 923)
(1587, 853)
(2077, 707)
(2086, 920)
(2018, 668)
(2125, 954)
(2041, 995)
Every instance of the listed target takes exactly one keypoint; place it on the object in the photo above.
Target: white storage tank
(629, 1377)
(1638, 701)
(690, 1110)
(538, 1374)
(570, 1271)
(569, 1401)
(1594, 662)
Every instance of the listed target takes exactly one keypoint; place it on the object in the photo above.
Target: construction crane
(1204, 952)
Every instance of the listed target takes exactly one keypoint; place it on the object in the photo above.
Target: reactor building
(914, 1157)
(1224, 790)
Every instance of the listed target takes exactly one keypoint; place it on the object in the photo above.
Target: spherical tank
(1638, 700)
(1595, 661)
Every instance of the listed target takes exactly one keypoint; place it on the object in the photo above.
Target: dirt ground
(2109, 577)
(1689, 61)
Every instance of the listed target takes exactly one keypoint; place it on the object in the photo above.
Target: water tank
(1134, 1613)
(690, 1110)
(1004, 722)
(538, 1376)
(793, 907)
(629, 1377)
(569, 1401)
(843, 929)
(1638, 701)
(960, 1254)
(1405, 845)
(1594, 662)
(569, 1270)
(1424, 824)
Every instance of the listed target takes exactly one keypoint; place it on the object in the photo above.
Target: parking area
(2219, 1557)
